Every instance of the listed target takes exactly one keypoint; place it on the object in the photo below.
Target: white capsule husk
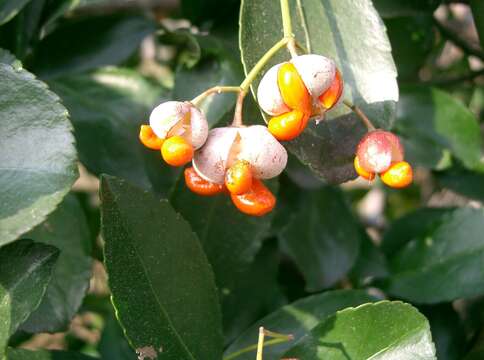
(166, 115)
(316, 71)
(176, 118)
(225, 146)
(210, 161)
(268, 94)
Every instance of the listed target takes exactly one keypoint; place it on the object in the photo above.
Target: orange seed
(331, 96)
(288, 126)
(238, 178)
(362, 172)
(176, 151)
(398, 175)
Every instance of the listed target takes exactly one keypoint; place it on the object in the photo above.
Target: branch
(454, 37)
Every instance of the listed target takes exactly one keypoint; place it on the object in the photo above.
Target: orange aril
(258, 201)
(149, 139)
(362, 172)
(292, 88)
(199, 185)
(331, 96)
(288, 126)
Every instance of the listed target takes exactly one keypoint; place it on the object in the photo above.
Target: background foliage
(350, 270)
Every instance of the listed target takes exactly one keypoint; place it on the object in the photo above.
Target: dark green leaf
(462, 181)
(201, 12)
(352, 33)
(37, 155)
(431, 123)
(67, 229)
(322, 237)
(255, 294)
(162, 284)
(447, 331)
(298, 319)
(7, 58)
(412, 39)
(102, 40)
(403, 230)
(22, 354)
(230, 238)
(10, 8)
(25, 271)
(215, 69)
(107, 108)
(113, 344)
(477, 7)
(394, 8)
(440, 251)
(384, 330)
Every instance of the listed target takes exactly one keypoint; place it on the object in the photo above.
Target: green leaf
(441, 250)
(322, 237)
(477, 7)
(394, 8)
(162, 284)
(66, 229)
(7, 58)
(218, 68)
(412, 39)
(350, 32)
(22, 354)
(113, 344)
(465, 182)
(384, 330)
(37, 154)
(255, 294)
(25, 271)
(431, 123)
(10, 8)
(107, 108)
(230, 238)
(298, 319)
(101, 40)
(447, 330)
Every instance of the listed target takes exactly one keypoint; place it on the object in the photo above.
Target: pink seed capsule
(378, 149)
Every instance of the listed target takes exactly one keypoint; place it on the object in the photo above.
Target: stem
(360, 114)
(237, 122)
(260, 344)
(287, 27)
(215, 90)
(304, 24)
(278, 339)
(244, 87)
(458, 40)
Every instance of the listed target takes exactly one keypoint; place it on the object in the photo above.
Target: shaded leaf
(161, 282)
(447, 331)
(431, 123)
(66, 229)
(394, 8)
(10, 8)
(25, 271)
(217, 68)
(477, 7)
(322, 237)
(101, 40)
(230, 238)
(384, 330)
(298, 319)
(352, 33)
(22, 354)
(7, 58)
(255, 294)
(113, 344)
(465, 182)
(37, 154)
(107, 108)
(441, 250)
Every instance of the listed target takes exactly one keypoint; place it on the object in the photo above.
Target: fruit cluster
(235, 159)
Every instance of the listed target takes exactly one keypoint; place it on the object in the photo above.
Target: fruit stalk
(369, 125)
